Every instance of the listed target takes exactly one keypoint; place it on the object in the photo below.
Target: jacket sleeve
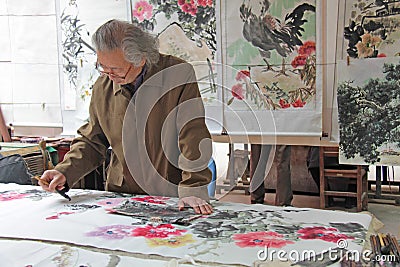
(194, 141)
(88, 151)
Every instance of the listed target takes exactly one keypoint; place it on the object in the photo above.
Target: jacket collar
(157, 82)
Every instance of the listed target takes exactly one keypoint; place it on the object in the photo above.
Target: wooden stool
(356, 176)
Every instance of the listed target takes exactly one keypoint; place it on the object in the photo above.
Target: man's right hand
(52, 179)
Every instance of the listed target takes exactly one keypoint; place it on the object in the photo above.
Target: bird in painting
(269, 33)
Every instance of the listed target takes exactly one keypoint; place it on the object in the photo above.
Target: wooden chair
(38, 161)
(35, 156)
(329, 174)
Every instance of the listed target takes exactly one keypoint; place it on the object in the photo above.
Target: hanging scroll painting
(270, 50)
(78, 23)
(370, 38)
(369, 111)
(186, 29)
(371, 29)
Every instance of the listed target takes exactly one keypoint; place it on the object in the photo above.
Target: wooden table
(11, 148)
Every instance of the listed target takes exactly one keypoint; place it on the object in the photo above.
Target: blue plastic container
(211, 185)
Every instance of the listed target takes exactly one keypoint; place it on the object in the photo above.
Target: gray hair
(135, 43)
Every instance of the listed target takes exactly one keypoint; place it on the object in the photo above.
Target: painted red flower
(381, 55)
(299, 60)
(142, 10)
(260, 239)
(307, 48)
(188, 6)
(319, 232)
(298, 103)
(205, 2)
(242, 75)
(55, 217)
(283, 103)
(151, 199)
(237, 91)
(8, 196)
(159, 231)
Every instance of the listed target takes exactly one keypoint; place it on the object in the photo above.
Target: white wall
(32, 81)
(29, 67)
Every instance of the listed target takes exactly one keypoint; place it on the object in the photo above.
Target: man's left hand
(199, 205)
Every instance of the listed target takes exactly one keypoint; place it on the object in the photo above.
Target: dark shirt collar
(134, 86)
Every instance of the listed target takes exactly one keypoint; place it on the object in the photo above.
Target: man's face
(113, 64)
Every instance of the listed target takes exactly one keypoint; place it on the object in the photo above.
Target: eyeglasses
(111, 73)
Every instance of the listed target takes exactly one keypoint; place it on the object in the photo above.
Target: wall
(29, 63)
(33, 92)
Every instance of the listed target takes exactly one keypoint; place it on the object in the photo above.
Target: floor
(385, 211)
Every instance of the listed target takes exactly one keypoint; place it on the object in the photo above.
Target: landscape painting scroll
(368, 87)
(368, 98)
(271, 53)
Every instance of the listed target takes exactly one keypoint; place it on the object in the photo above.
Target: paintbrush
(378, 245)
(62, 192)
(392, 243)
(385, 249)
(374, 246)
(395, 243)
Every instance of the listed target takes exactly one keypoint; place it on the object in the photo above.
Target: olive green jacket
(159, 139)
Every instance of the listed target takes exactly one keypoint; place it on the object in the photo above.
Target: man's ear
(143, 62)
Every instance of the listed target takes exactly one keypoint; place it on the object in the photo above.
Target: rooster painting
(269, 33)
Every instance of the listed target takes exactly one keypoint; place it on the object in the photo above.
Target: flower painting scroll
(272, 50)
(275, 46)
(78, 55)
(268, 54)
(186, 29)
(371, 29)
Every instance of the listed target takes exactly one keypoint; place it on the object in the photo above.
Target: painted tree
(369, 115)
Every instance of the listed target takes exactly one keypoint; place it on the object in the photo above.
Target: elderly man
(147, 107)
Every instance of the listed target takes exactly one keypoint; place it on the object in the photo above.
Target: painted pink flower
(319, 232)
(8, 196)
(142, 11)
(159, 231)
(261, 239)
(299, 60)
(151, 199)
(111, 202)
(283, 103)
(205, 2)
(188, 6)
(112, 231)
(242, 75)
(307, 48)
(237, 91)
